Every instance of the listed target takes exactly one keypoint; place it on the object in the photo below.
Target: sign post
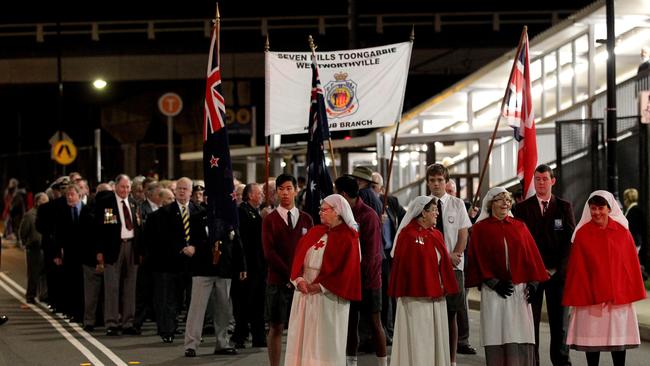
(170, 105)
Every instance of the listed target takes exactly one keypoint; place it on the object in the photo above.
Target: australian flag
(319, 182)
(217, 167)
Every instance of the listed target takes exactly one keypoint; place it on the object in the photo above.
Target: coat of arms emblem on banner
(341, 96)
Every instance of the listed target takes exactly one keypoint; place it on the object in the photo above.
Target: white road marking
(92, 340)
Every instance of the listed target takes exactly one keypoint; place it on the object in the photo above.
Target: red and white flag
(518, 112)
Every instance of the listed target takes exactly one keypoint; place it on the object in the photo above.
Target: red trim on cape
(486, 253)
(340, 272)
(415, 271)
(603, 267)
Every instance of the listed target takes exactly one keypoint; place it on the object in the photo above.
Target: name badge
(304, 230)
(451, 219)
(558, 224)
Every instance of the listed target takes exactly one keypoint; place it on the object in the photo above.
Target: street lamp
(99, 84)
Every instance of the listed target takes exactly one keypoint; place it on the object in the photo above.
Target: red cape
(486, 253)
(340, 272)
(415, 271)
(603, 267)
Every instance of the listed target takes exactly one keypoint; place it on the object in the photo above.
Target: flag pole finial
(412, 36)
(217, 17)
(312, 45)
(267, 45)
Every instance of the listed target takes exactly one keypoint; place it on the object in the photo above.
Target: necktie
(544, 207)
(289, 222)
(127, 217)
(75, 215)
(439, 225)
(186, 224)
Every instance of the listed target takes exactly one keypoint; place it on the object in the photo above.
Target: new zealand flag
(217, 167)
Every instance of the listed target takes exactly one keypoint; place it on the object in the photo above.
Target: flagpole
(267, 161)
(392, 153)
(496, 126)
(313, 46)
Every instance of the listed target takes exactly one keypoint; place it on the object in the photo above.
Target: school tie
(186, 224)
(127, 217)
(289, 222)
(544, 207)
(439, 225)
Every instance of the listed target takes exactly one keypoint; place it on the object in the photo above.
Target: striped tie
(186, 223)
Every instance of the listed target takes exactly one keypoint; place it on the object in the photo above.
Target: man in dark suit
(171, 235)
(551, 221)
(118, 220)
(248, 295)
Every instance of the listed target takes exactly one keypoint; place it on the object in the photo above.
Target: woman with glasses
(420, 278)
(603, 280)
(504, 262)
(327, 276)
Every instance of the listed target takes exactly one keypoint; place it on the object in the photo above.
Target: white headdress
(616, 214)
(342, 208)
(487, 202)
(414, 210)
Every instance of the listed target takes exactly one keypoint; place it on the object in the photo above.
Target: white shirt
(454, 218)
(180, 207)
(295, 213)
(125, 234)
(154, 207)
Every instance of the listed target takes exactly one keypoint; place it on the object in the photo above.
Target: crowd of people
(364, 274)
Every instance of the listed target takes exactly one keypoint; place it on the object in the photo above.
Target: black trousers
(557, 319)
(248, 308)
(143, 295)
(165, 301)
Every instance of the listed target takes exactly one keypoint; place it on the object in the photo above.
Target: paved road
(34, 336)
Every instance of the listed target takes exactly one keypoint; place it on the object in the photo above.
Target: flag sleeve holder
(496, 126)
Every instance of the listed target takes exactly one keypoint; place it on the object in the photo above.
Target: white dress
(421, 332)
(508, 320)
(318, 324)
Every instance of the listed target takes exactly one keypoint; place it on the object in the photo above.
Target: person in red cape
(603, 280)
(326, 272)
(422, 276)
(504, 262)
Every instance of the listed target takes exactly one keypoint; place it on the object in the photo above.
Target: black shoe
(3, 319)
(112, 331)
(31, 301)
(131, 331)
(167, 339)
(89, 328)
(190, 353)
(226, 351)
(466, 349)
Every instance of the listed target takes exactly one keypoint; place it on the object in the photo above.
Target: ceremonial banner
(362, 88)
(518, 112)
(219, 188)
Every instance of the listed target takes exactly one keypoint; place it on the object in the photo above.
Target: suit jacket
(72, 238)
(250, 229)
(145, 210)
(165, 237)
(552, 232)
(109, 228)
(45, 225)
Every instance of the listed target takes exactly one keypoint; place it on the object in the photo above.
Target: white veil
(342, 208)
(487, 201)
(616, 214)
(414, 210)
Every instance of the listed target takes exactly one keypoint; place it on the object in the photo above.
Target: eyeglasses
(506, 200)
(324, 209)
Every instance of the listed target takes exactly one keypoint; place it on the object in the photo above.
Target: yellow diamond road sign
(64, 152)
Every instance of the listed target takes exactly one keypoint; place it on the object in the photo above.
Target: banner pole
(267, 139)
(394, 143)
(496, 126)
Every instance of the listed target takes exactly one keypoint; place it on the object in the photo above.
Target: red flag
(518, 111)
